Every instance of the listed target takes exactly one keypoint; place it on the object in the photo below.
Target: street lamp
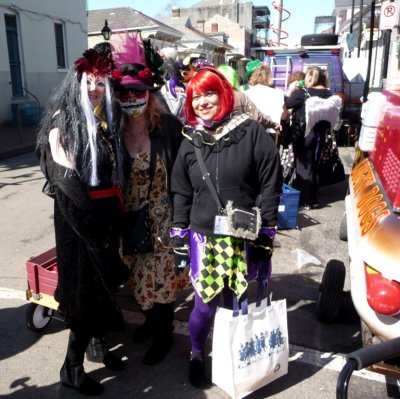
(106, 31)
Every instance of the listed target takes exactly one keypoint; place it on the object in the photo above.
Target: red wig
(204, 80)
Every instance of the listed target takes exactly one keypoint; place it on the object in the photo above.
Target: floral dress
(153, 278)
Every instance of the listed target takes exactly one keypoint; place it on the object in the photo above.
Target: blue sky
(300, 23)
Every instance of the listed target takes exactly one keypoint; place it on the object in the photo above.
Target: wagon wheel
(330, 291)
(38, 317)
(343, 228)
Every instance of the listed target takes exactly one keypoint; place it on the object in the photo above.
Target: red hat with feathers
(98, 64)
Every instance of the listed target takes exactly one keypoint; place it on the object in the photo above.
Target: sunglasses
(126, 94)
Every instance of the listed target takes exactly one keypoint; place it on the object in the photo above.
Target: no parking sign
(389, 17)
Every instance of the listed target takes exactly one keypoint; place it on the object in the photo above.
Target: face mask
(135, 105)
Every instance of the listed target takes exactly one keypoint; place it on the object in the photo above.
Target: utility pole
(351, 22)
(277, 21)
(371, 36)
(360, 26)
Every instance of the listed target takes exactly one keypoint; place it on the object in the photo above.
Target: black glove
(262, 246)
(181, 252)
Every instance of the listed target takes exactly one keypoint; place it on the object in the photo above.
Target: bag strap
(263, 285)
(153, 162)
(241, 307)
(262, 292)
(206, 176)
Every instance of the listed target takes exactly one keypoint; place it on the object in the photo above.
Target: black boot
(97, 352)
(161, 321)
(76, 378)
(72, 374)
(144, 331)
(197, 372)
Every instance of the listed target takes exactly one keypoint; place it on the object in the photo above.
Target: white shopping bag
(250, 351)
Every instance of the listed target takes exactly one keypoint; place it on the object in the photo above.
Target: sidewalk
(16, 140)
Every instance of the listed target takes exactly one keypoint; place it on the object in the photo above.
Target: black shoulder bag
(299, 120)
(330, 166)
(136, 227)
(230, 221)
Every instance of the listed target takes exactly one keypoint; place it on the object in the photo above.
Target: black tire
(330, 291)
(38, 317)
(322, 39)
(343, 228)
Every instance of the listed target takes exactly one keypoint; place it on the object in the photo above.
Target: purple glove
(262, 247)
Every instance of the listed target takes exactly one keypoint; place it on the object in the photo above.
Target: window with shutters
(59, 37)
(14, 55)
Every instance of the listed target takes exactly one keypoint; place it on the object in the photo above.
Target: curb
(17, 151)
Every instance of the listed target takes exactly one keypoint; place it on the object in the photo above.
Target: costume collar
(222, 130)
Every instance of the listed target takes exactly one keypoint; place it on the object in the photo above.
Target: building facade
(250, 18)
(354, 29)
(40, 40)
(126, 19)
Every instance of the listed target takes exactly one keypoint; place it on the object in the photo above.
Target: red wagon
(42, 279)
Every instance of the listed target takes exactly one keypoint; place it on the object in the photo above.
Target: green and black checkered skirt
(223, 258)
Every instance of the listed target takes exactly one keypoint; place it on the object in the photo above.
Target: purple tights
(202, 317)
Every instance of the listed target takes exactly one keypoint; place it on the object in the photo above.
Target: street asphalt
(30, 362)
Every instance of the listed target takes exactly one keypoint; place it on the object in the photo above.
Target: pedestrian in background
(307, 147)
(267, 99)
(173, 89)
(243, 104)
(295, 81)
(243, 163)
(251, 66)
(82, 157)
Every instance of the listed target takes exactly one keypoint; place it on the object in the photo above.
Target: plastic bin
(288, 208)
(29, 113)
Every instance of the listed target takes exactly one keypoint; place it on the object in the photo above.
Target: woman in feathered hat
(173, 89)
(152, 137)
(81, 155)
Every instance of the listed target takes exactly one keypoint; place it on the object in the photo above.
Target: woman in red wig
(242, 163)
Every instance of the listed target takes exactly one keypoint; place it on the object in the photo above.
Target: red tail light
(335, 51)
(383, 295)
(270, 52)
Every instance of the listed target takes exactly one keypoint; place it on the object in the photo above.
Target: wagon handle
(363, 358)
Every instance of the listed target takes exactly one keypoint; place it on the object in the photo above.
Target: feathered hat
(98, 64)
(130, 59)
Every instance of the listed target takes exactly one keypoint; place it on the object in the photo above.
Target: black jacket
(243, 164)
(87, 241)
(168, 140)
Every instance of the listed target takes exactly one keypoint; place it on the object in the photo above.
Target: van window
(283, 65)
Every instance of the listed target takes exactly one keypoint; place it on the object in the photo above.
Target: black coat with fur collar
(244, 166)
